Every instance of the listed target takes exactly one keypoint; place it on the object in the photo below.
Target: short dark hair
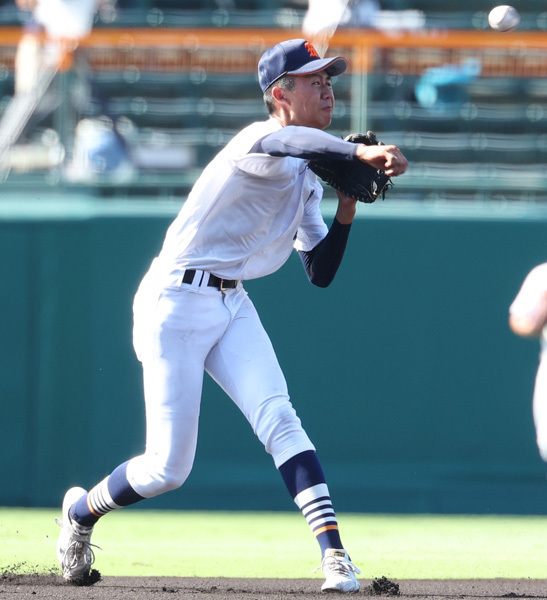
(286, 83)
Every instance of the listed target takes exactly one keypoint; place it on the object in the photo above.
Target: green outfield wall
(404, 372)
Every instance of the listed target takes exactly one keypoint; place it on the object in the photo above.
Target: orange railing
(517, 54)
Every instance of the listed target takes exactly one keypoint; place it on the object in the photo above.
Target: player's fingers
(376, 156)
(387, 158)
(396, 163)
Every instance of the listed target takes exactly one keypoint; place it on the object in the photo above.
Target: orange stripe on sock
(326, 528)
(91, 508)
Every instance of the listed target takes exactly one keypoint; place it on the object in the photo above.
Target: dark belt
(214, 281)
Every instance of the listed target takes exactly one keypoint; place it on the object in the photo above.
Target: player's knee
(151, 477)
(165, 481)
(172, 481)
(280, 428)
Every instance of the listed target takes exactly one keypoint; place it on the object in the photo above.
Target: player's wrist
(347, 207)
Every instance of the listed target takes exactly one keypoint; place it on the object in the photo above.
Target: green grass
(203, 544)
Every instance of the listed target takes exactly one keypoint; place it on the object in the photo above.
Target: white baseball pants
(540, 407)
(180, 331)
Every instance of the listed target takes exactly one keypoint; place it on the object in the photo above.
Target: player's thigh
(245, 364)
(179, 330)
(246, 367)
(176, 328)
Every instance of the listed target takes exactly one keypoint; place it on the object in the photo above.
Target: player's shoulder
(259, 129)
(246, 138)
(539, 271)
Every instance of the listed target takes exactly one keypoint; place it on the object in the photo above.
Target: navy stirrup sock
(306, 483)
(111, 493)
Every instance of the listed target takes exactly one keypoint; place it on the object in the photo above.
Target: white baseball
(504, 18)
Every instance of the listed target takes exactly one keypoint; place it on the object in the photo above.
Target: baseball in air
(504, 18)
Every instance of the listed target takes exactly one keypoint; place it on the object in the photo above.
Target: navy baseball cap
(295, 57)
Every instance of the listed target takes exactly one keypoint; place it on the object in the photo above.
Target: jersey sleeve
(268, 167)
(312, 228)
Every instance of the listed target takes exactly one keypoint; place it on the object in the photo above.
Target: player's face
(312, 101)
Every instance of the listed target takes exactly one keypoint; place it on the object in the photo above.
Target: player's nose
(326, 88)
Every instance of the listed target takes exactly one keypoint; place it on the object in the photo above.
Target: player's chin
(325, 119)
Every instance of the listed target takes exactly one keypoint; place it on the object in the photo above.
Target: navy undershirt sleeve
(322, 262)
(307, 143)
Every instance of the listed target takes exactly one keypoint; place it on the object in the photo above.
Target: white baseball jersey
(246, 212)
(528, 303)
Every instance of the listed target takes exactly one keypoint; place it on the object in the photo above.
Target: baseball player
(253, 204)
(528, 318)
(49, 23)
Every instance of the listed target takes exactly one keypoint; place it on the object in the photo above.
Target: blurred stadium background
(178, 79)
(434, 410)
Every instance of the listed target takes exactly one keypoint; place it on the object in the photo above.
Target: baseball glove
(355, 179)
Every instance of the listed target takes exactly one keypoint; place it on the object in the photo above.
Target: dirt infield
(31, 587)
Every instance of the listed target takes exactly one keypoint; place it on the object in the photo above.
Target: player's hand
(387, 158)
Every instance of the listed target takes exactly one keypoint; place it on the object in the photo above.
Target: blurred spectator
(100, 152)
(52, 30)
(528, 318)
(362, 13)
(446, 85)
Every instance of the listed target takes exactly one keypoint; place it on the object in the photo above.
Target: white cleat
(73, 545)
(339, 572)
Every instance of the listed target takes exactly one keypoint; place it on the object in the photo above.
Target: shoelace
(77, 551)
(338, 565)
(79, 548)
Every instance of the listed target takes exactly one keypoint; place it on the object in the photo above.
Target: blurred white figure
(321, 20)
(528, 318)
(323, 17)
(53, 27)
(66, 19)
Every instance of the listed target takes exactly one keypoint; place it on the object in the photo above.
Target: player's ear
(278, 94)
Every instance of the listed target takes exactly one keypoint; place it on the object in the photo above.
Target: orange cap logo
(311, 50)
